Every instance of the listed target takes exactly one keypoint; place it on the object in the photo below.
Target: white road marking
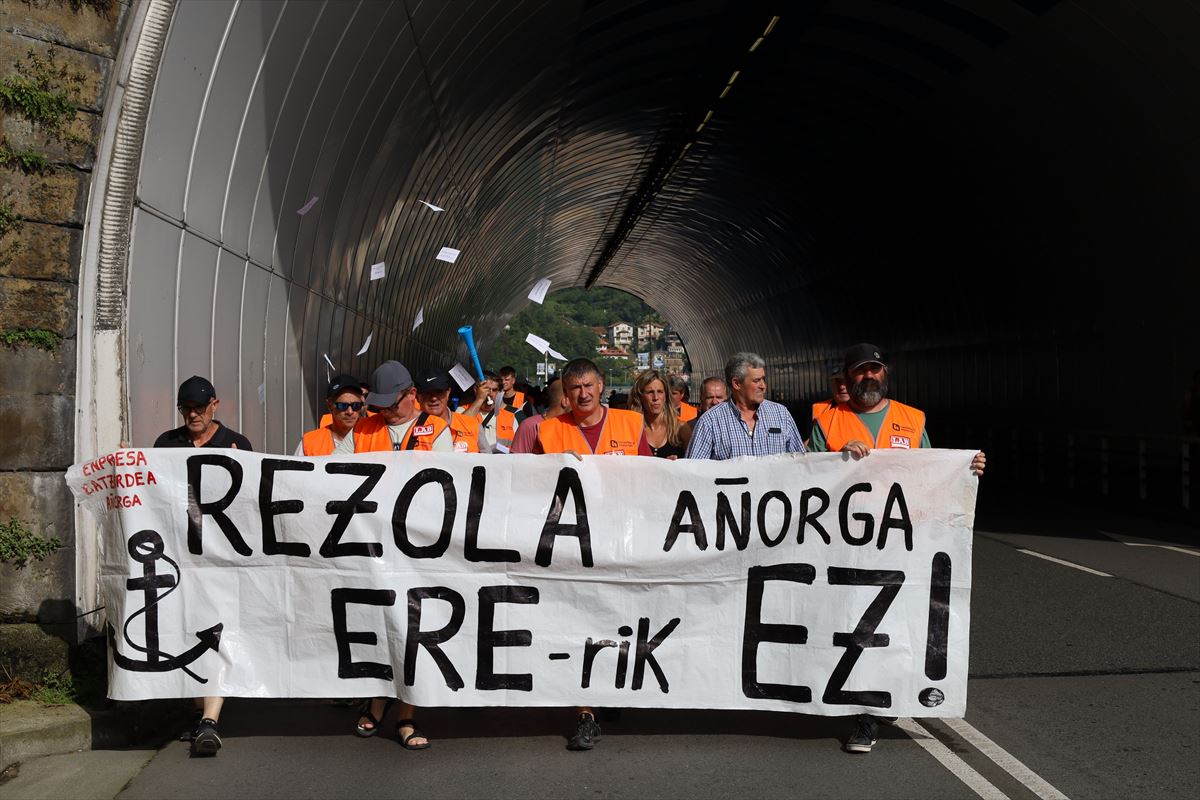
(1005, 760)
(959, 768)
(1183, 550)
(1064, 563)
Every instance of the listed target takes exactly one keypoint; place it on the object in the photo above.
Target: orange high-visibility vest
(902, 427)
(820, 408)
(518, 401)
(506, 426)
(620, 436)
(318, 442)
(371, 434)
(687, 413)
(465, 432)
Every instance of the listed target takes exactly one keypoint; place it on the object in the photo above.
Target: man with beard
(869, 419)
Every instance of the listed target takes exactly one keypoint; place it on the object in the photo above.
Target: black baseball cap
(431, 379)
(344, 383)
(862, 353)
(195, 392)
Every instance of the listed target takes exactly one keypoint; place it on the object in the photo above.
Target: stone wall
(39, 269)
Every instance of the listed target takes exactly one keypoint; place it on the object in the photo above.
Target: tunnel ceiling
(930, 174)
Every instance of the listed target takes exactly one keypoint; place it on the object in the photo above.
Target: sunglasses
(356, 406)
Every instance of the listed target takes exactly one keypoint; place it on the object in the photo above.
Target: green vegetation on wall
(31, 337)
(44, 92)
(19, 545)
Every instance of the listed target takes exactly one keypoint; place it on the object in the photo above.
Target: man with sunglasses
(197, 403)
(344, 399)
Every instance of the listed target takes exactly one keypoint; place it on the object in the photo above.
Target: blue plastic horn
(469, 337)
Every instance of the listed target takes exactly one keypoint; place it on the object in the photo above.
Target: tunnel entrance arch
(999, 193)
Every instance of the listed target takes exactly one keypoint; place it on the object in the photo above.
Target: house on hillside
(601, 333)
(620, 335)
(647, 332)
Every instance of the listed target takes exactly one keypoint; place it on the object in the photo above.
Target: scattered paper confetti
(377, 271)
(419, 318)
(327, 361)
(537, 342)
(262, 393)
(307, 207)
(448, 254)
(538, 293)
(431, 206)
(557, 355)
(366, 344)
(463, 378)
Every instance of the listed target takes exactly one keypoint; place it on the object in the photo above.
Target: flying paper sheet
(419, 319)
(366, 344)
(555, 354)
(377, 271)
(304, 209)
(464, 379)
(262, 393)
(538, 293)
(431, 206)
(448, 254)
(327, 361)
(537, 342)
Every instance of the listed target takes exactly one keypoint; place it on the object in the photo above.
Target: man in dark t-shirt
(197, 402)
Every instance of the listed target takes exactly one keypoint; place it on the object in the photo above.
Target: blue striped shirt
(720, 433)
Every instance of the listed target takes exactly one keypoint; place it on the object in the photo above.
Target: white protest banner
(814, 583)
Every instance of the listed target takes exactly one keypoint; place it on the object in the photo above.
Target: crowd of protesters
(394, 410)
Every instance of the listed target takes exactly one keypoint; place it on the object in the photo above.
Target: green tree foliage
(565, 320)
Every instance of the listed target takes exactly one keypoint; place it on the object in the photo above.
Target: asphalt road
(1085, 683)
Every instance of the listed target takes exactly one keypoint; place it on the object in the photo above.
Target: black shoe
(586, 735)
(206, 742)
(866, 730)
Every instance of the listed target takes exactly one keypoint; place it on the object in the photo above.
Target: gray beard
(869, 393)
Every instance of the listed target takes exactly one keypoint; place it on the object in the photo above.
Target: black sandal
(365, 711)
(416, 734)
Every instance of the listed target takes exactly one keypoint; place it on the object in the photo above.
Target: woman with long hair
(667, 436)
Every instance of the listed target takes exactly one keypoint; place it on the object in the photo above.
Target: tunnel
(1002, 194)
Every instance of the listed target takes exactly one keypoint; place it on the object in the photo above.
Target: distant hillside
(566, 320)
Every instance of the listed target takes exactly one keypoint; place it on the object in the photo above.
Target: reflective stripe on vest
(318, 442)
(620, 436)
(506, 427)
(902, 427)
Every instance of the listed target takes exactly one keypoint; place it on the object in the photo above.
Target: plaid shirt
(720, 433)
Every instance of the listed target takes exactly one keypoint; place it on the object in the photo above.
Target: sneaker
(866, 729)
(586, 735)
(206, 742)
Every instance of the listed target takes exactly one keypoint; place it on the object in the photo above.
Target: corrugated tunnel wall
(1001, 193)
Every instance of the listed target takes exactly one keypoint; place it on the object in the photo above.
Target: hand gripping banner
(813, 583)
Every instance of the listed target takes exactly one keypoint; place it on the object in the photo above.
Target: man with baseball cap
(400, 424)
(866, 420)
(197, 403)
(344, 400)
(433, 395)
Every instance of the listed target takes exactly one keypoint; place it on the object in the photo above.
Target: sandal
(365, 713)
(416, 734)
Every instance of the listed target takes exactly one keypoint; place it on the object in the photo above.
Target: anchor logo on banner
(146, 548)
